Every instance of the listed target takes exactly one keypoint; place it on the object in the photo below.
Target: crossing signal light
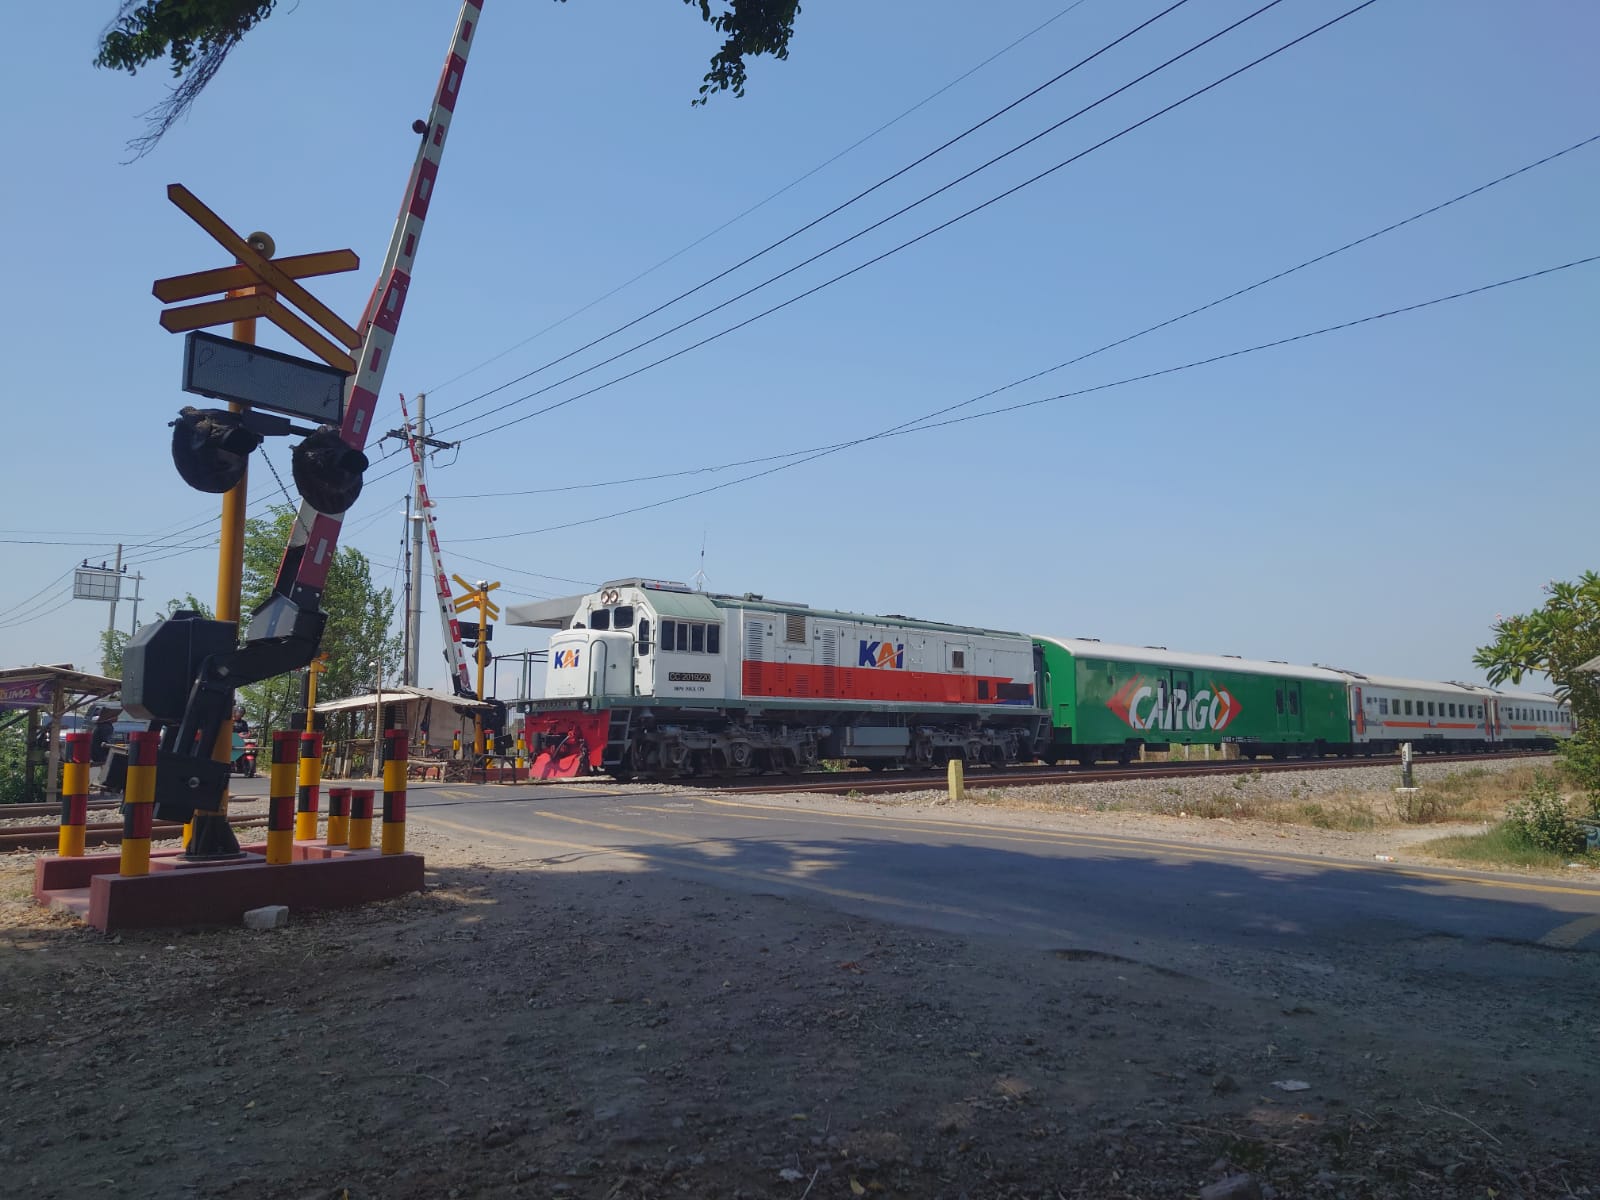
(210, 447)
(328, 471)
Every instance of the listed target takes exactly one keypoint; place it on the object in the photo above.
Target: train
(651, 678)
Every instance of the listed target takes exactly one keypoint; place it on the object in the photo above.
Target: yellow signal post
(315, 668)
(477, 596)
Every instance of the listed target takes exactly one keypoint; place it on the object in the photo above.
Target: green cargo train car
(1105, 701)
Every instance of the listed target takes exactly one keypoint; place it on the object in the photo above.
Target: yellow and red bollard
(361, 818)
(74, 795)
(139, 803)
(280, 797)
(338, 816)
(305, 817)
(396, 748)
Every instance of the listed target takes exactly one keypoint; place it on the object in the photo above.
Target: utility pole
(419, 505)
(111, 621)
(414, 575)
(133, 625)
(405, 642)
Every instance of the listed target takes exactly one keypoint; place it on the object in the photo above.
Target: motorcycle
(244, 755)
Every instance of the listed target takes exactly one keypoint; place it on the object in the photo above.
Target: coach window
(644, 635)
(1278, 698)
(713, 639)
(1294, 703)
(622, 617)
(1383, 706)
(1452, 709)
(1408, 708)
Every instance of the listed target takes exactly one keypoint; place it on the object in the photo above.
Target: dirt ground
(593, 1030)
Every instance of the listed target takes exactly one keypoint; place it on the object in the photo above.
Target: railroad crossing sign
(477, 596)
(257, 286)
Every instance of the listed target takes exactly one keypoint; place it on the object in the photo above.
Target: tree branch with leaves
(196, 37)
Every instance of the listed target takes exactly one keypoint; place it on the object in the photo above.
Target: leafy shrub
(13, 769)
(1542, 821)
(1421, 807)
(1580, 756)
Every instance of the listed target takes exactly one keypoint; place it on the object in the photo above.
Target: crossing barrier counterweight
(74, 794)
(361, 818)
(396, 748)
(309, 794)
(281, 797)
(139, 803)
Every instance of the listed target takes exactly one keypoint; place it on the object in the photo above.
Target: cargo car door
(1294, 715)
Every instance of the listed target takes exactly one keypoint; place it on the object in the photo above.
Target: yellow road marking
(740, 873)
(1564, 937)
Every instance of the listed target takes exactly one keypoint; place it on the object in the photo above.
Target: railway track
(44, 837)
(868, 783)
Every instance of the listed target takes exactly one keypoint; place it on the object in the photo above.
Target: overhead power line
(838, 208)
(904, 430)
(762, 203)
(1121, 341)
(879, 257)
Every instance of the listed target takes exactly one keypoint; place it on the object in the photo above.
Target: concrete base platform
(178, 892)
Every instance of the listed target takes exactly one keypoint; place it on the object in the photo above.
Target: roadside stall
(438, 725)
(48, 701)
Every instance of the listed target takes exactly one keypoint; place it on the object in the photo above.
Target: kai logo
(889, 655)
(566, 658)
(1141, 706)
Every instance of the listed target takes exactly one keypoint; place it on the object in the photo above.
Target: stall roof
(403, 694)
(24, 687)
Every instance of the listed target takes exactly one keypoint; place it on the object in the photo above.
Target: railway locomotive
(651, 678)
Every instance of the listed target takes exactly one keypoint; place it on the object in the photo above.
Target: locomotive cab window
(622, 617)
(600, 618)
(697, 638)
(669, 635)
(644, 635)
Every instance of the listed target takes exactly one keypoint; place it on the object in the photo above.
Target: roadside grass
(1500, 847)
(1472, 793)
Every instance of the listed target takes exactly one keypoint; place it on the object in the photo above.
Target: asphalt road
(1184, 906)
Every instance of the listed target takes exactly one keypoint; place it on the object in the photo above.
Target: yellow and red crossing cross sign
(264, 283)
(477, 596)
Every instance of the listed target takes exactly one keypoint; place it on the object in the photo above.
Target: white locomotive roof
(896, 620)
(1156, 656)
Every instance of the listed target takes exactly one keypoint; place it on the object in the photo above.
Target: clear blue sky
(1371, 498)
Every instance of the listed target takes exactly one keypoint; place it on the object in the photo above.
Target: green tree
(196, 36)
(360, 616)
(1555, 640)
